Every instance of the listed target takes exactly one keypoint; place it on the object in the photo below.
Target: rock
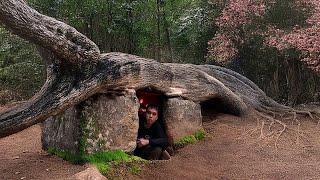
(103, 122)
(62, 131)
(16, 157)
(112, 122)
(181, 117)
(91, 173)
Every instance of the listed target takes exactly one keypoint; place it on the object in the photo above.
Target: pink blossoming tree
(242, 19)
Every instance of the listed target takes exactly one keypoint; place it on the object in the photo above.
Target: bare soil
(22, 158)
(234, 148)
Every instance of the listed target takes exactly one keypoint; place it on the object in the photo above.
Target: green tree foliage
(191, 29)
(21, 70)
(281, 75)
(166, 30)
(287, 14)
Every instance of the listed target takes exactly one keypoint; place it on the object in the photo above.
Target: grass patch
(66, 155)
(117, 162)
(185, 140)
(200, 134)
(102, 160)
(190, 139)
(135, 170)
(125, 169)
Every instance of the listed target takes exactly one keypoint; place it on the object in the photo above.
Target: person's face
(151, 115)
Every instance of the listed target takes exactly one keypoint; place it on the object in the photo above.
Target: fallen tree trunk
(77, 70)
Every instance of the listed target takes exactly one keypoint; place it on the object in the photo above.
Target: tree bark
(65, 41)
(168, 41)
(158, 57)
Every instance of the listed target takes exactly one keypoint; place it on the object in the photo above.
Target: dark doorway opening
(215, 107)
(150, 96)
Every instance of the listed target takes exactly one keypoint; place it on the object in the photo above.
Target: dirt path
(22, 158)
(232, 153)
(232, 150)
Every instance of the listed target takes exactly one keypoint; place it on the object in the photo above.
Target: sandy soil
(22, 158)
(233, 149)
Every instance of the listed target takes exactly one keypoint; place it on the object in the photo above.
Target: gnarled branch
(63, 40)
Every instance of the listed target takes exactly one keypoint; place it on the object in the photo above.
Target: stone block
(182, 117)
(62, 131)
(103, 122)
(111, 123)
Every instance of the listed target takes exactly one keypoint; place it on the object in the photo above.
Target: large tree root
(271, 125)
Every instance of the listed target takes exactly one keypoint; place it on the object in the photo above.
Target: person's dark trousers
(149, 152)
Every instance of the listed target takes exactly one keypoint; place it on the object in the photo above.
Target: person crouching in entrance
(151, 139)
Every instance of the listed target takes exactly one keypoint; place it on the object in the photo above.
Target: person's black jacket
(155, 134)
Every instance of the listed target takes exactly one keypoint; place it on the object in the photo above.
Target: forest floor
(232, 149)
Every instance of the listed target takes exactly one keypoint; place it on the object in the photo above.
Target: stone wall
(110, 122)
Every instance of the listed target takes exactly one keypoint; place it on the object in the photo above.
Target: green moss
(185, 140)
(135, 170)
(102, 160)
(200, 134)
(102, 167)
(118, 170)
(89, 129)
(107, 156)
(190, 139)
(66, 155)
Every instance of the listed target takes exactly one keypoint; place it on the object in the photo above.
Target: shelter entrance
(155, 134)
(215, 107)
(150, 96)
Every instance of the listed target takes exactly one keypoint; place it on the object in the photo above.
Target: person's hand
(142, 142)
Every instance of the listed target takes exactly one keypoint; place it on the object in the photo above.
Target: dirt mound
(233, 149)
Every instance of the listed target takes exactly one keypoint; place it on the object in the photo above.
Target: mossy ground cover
(190, 139)
(104, 160)
(118, 163)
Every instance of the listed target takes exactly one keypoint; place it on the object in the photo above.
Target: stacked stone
(110, 121)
